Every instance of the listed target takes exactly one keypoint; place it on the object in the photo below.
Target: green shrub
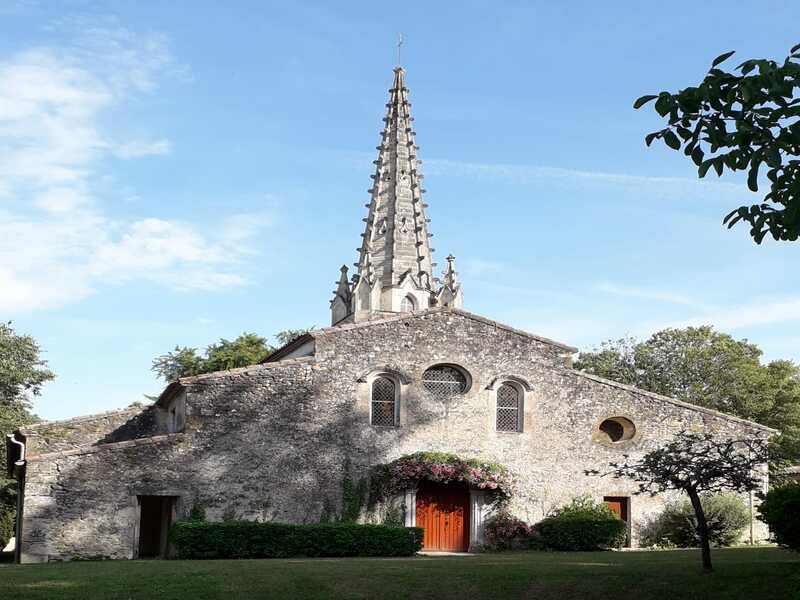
(504, 531)
(247, 539)
(198, 513)
(676, 526)
(780, 510)
(582, 525)
(6, 526)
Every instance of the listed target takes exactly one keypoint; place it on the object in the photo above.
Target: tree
(696, 465)
(247, 349)
(704, 367)
(22, 370)
(22, 374)
(780, 510)
(739, 122)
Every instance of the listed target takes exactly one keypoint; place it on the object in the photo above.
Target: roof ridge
(240, 370)
(92, 448)
(82, 418)
(675, 401)
(441, 309)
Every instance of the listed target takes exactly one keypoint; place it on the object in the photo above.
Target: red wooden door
(619, 505)
(443, 512)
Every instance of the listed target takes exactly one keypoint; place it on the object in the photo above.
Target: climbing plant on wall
(406, 472)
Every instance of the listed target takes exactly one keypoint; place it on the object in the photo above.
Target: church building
(403, 368)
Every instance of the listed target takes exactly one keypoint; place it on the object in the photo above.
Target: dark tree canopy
(702, 366)
(247, 349)
(22, 374)
(741, 120)
(22, 370)
(697, 464)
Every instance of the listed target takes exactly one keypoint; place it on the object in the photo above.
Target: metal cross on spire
(399, 46)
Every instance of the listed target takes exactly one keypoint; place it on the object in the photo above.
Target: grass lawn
(747, 573)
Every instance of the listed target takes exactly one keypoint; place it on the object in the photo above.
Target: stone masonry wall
(271, 442)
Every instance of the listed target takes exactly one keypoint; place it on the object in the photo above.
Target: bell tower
(395, 260)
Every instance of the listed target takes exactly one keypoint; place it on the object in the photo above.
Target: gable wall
(271, 442)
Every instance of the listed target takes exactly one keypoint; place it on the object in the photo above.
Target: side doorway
(621, 505)
(156, 514)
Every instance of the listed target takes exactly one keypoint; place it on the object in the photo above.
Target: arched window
(509, 405)
(408, 304)
(444, 381)
(384, 401)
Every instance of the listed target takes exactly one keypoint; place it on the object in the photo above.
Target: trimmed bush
(582, 525)
(780, 510)
(247, 539)
(506, 532)
(676, 526)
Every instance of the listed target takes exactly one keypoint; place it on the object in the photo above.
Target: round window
(617, 429)
(444, 381)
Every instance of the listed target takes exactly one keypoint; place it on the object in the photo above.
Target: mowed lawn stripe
(741, 573)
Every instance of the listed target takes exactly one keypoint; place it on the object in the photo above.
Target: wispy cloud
(58, 240)
(644, 293)
(655, 187)
(763, 312)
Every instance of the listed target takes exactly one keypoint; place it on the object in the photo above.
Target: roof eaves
(288, 348)
(443, 309)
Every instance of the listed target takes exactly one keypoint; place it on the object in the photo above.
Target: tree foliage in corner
(22, 375)
(696, 465)
(702, 366)
(247, 349)
(740, 121)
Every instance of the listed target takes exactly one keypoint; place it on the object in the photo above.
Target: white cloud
(58, 242)
(140, 148)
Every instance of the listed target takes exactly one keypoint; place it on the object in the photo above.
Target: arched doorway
(443, 512)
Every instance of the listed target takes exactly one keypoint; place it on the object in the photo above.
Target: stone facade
(271, 442)
(275, 441)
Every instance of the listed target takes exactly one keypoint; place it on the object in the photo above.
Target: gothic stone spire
(395, 261)
(396, 232)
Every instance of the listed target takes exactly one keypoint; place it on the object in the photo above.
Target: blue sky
(173, 173)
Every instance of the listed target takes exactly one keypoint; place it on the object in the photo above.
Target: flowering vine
(407, 471)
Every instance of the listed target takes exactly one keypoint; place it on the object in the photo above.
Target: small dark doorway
(620, 505)
(156, 517)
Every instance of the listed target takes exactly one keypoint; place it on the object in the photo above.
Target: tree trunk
(702, 528)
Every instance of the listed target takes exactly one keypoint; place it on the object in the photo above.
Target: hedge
(581, 534)
(582, 525)
(247, 539)
(780, 509)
